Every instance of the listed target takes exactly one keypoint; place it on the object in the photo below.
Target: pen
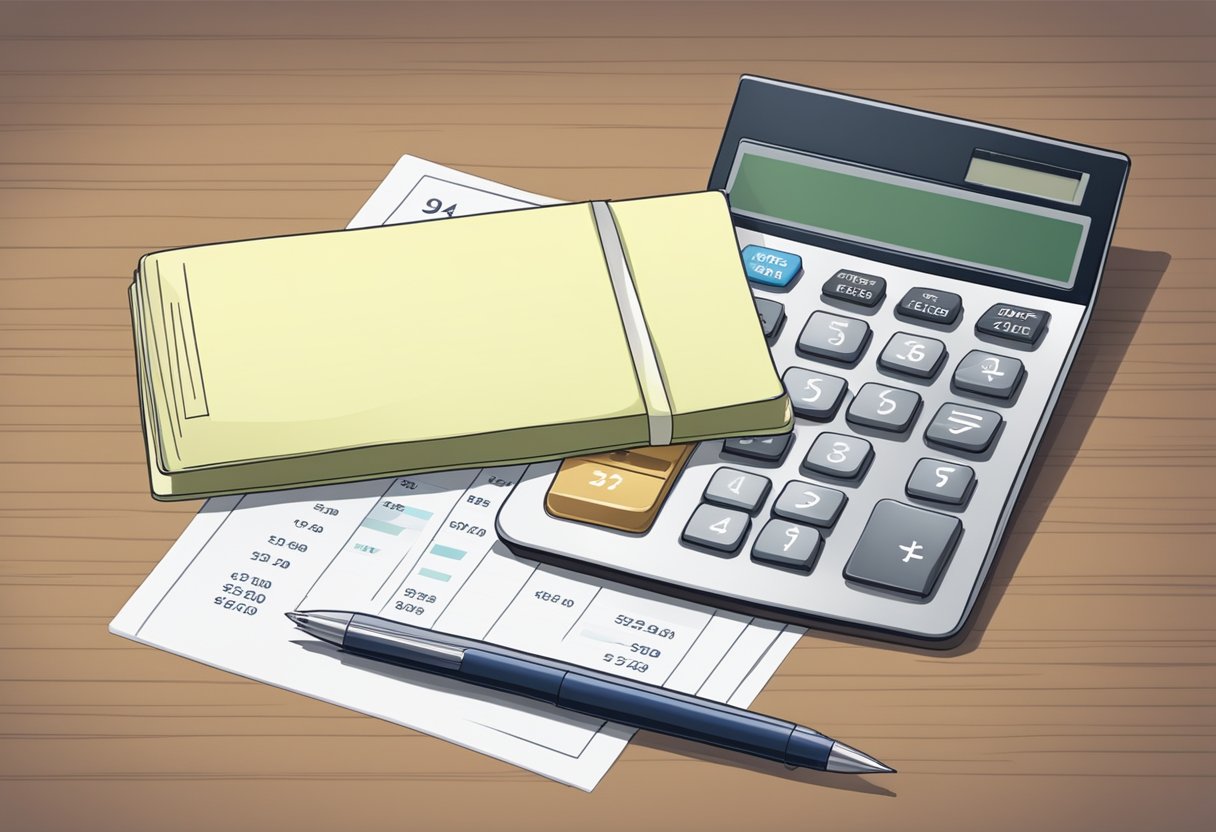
(585, 691)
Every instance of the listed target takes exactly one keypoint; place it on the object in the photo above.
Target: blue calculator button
(770, 267)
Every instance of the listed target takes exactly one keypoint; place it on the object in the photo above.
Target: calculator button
(964, 427)
(737, 489)
(805, 502)
(767, 448)
(772, 314)
(838, 455)
(988, 374)
(621, 490)
(931, 305)
(855, 287)
(882, 407)
(717, 528)
(814, 395)
(903, 548)
(912, 355)
(941, 482)
(770, 266)
(787, 544)
(1017, 323)
(834, 336)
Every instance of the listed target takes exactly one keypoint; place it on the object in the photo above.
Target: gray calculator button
(1017, 323)
(733, 488)
(767, 448)
(855, 287)
(814, 395)
(787, 544)
(931, 305)
(988, 374)
(717, 528)
(883, 407)
(834, 336)
(912, 355)
(805, 502)
(771, 315)
(941, 481)
(964, 427)
(903, 548)
(838, 455)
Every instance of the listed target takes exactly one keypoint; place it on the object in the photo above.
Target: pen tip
(294, 617)
(847, 760)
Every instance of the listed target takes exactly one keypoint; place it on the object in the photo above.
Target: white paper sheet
(422, 549)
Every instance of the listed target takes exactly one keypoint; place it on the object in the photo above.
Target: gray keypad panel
(806, 502)
(834, 337)
(964, 427)
(941, 481)
(787, 544)
(814, 395)
(838, 455)
(913, 355)
(715, 527)
(883, 407)
(825, 593)
(903, 548)
(733, 488)
(987, 374)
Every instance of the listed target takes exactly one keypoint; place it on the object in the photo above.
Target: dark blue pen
(585, 691)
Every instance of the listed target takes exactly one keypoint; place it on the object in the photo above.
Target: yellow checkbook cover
(484, 340)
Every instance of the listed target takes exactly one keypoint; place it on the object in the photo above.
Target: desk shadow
(442, 684)
(1129, 281)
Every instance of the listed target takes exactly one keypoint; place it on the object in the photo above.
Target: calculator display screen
(1024, 241)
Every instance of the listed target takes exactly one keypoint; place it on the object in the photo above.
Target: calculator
(924, 283)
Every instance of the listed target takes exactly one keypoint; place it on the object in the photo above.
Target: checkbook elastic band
(654, 391)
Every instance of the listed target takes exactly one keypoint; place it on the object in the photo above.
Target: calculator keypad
(899, 471)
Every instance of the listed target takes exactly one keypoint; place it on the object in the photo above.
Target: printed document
(422, 550)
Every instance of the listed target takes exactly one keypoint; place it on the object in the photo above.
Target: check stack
(484, 340)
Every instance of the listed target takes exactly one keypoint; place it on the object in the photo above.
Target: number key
(940, 481)
(717, 528)
(912, 355)
(733, 488)
(882, 407)
(767, 448)
(838, 455)
(814, 395)
(805, 502)
(834, 336)
(787, 544)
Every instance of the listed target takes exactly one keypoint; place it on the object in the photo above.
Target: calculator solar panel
(923, 300)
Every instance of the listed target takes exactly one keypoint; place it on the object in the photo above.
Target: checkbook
(480, 340)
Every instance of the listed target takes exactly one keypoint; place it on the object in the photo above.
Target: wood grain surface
(1084, 699)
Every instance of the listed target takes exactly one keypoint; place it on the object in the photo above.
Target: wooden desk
(1086, 697)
